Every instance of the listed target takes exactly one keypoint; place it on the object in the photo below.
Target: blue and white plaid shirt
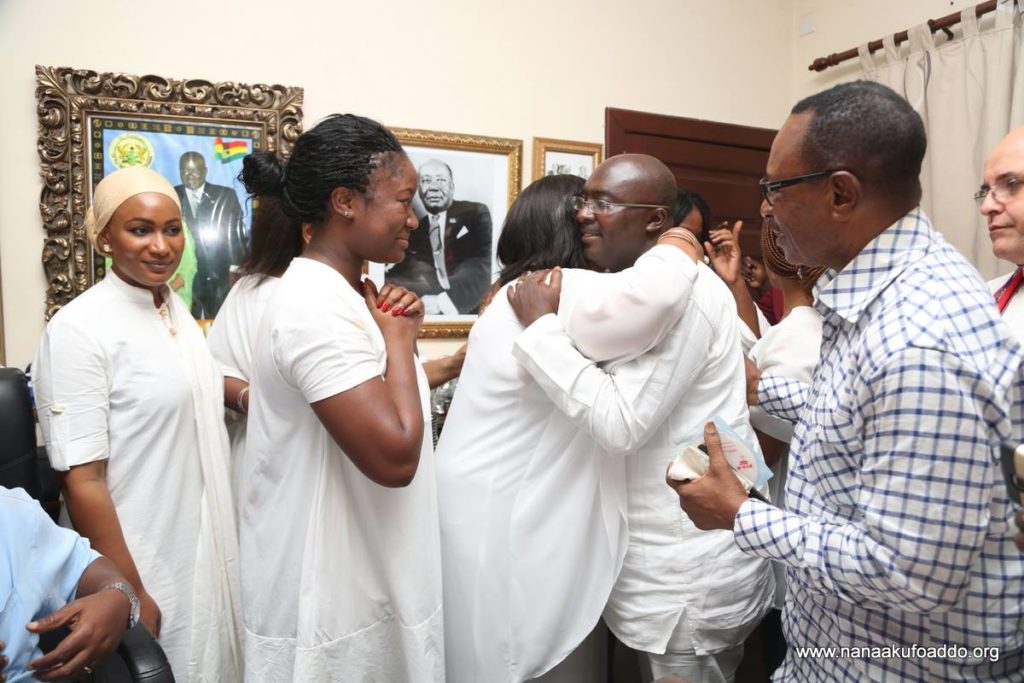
(899, 529)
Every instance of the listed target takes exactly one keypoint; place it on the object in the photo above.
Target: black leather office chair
(19, 459)
(139, 657)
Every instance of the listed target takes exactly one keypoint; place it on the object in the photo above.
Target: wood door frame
(625, 128)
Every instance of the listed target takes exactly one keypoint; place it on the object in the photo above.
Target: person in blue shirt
(49, 578)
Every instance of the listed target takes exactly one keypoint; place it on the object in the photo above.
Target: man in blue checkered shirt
(898, 540)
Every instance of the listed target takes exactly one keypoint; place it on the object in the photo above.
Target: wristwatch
(133, 614)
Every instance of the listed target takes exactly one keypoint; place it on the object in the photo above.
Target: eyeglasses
(1001, 191)
(600, 207)
(770, 188)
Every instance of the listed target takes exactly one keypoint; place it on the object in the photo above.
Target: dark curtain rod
(941, 24)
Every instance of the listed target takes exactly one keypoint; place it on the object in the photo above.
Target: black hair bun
(262, 174)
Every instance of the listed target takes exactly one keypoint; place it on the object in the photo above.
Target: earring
(106, 248)
(347, 214)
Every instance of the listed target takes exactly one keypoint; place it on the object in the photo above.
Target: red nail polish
(386, 307)
(397, 311)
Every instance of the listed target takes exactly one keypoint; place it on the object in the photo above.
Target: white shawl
(217, 614)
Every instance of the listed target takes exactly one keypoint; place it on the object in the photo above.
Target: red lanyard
(1009, 288)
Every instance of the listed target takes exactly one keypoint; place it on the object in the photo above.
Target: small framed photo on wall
(466, 185)
(552, 157)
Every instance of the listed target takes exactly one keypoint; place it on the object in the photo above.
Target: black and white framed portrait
(466, 185)
(564, 157)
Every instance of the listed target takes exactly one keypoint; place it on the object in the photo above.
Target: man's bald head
(1003, 204)
(1013, 142)
(615, 237)
(648, 176)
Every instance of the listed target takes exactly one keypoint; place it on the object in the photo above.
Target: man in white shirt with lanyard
(1001, 201)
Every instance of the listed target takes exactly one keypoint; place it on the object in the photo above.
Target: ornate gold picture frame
(77, 108)
(466, 185)
(551, 156)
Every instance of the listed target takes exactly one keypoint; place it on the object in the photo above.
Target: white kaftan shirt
(109, 386)
(646, 411)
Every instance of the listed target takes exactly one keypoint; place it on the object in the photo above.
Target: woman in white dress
(341, 569)
(130, 402)
(531, 509)
(276, 240)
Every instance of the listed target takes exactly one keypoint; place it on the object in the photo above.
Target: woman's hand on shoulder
(536, 294)
(396, 310)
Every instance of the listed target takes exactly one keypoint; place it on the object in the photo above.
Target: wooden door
(721, 161)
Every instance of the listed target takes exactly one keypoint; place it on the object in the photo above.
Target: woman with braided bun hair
(790, 348)
(340, 545)
(276, 240)
(131, 404)
(797, 281)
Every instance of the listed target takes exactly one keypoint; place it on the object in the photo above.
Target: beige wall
(509, 69)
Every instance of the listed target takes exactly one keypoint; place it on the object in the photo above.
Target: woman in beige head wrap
(130, 402)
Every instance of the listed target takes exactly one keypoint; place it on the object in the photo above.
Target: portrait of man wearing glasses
(448, 263)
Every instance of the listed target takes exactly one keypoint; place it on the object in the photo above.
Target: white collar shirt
(680, 588)
(1013, 314)
(532, 506)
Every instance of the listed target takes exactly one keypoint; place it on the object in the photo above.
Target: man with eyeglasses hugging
(898, 541)
(1001, 201)
(686, 598)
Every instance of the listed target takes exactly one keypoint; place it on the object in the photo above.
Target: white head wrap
(119, 187)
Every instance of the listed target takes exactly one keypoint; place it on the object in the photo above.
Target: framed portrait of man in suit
(202, 161)
(465, 185)
(193, 132)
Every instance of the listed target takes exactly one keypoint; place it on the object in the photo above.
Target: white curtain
(970, 93)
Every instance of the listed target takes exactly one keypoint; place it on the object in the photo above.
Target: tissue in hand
(693, 463)
(690, 464)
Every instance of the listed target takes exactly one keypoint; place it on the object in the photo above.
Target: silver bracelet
(238, 403)
(133, 600)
